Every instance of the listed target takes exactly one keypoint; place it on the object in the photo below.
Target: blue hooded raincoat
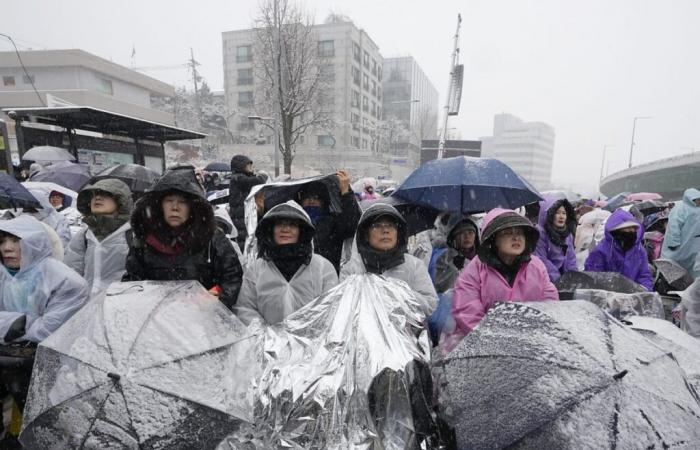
(683, 233)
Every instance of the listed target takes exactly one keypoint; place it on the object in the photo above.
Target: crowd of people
(173, 233)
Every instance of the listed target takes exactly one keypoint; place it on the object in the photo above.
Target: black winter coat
(333, 229)
(239, 188)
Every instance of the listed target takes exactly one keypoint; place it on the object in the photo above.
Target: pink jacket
(479, 286)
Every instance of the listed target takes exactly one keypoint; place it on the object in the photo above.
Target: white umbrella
(47, 153)
(47, 186)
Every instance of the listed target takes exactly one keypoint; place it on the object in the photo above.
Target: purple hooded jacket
(609, 257)
(556, 259)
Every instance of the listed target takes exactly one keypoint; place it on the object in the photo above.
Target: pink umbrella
(642, 196)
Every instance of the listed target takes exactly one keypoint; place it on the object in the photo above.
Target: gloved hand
(16, 329)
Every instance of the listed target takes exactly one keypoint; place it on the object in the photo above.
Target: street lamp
(276, 150)
(602, 164)
(634, 129)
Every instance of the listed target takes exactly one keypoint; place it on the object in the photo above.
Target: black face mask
(625, 239)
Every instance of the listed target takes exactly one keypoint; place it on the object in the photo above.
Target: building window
(374, 67)
(373, 109)
(355, 141)
(364, 143)
(374, 88)
(355, 102)
(105, 86)
(300, 139)
(366, 60)
(8, 81)
(325, 140)
(379, 112)
(365, 103)
(326, 49)
(245, 77)
(356, 52)
(245, 99)
(28, 79)
(379, 73)
(355, 75)
(365, 82)
(379, 92)
(244, 53)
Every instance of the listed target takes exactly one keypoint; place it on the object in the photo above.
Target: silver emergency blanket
(346, 371)
(621, 306)
(149, 365)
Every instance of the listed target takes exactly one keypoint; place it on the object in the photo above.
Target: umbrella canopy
(148, 365)
(623, 306)
(14, 195)
(572, 197)
(47, 153)
(671, 276)
(418, 218)
(641, 196)
(606, 281)
(615, 202)
(671, 338)
(218, 167)
(467, 185)
(48, 187)
(359, 185)
(67, 174)
(137, 177)
(647, 207)
(556, 375)
(279, 192)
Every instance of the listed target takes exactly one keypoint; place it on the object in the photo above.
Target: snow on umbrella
(572, 197)
(47, 153)
(218, 167)
(671, 276)
(137, 177)
(624, 306)
(564, 375)
(616, 201)
(149, 365)
(67, 174)
(467, 185)
(671, 338)
(418, 218)
(641, 196)
(607, 281)
(14, 195)
(647, 207)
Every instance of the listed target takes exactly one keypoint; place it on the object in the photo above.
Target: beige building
(354, 68)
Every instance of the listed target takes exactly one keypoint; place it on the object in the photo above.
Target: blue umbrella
(467, 185)
(616, 201)
(67, 174)
(14, 195)
(419, 218)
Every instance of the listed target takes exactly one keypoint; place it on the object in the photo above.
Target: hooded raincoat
(682, 240)
(238, 189)
(400, 265)
(101, 261)
(608, 256)
(199, 252)
(48, 215)
(557, 258)
(480, 284)
(442, 268)
(266, 294)
(45, 291)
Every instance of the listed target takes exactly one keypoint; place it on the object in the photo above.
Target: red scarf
(172, 251)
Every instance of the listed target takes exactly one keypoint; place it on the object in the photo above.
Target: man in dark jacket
(175, 237)
(331, 229)
(242, 180)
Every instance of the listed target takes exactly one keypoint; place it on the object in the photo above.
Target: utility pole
(450, 87)
(195, 76)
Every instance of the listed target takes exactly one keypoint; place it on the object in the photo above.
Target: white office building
(527, 147)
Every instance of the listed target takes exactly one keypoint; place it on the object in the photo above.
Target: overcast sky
(586, 68)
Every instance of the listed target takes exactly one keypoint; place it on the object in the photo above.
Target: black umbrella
(217, 167)
(606, 281)
(67, 174)
(137, 177)
(14, 195)
(418, 218)
(650, 206)
(564, 375)
(282, 191)
(670, 276)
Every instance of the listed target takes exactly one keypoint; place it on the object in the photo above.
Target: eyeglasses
(285, 223)
(512, 232)
(384, 226)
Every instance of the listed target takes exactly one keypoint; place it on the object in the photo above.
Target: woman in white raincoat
(48, 215)
(98, 251)
(287, 274)
(381, 241)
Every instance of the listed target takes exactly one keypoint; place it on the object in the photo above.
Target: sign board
(99, 160)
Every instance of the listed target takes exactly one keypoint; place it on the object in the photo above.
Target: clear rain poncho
(44, 290)
(690, 309)
(48, 215)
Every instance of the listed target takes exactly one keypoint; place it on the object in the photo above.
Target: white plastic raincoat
(44, 290)
(48, 215)
(690, 309)
(683, 233)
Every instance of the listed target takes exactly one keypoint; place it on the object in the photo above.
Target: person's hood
(689, 195)
(239, 162)
(455, 223)
(46, 207)
(179, 180)
(35, 242)
(499, 219)
(290, 210)
(548, 208)
(438, 236)
(378, 210)
(117, 188)
(619, 217)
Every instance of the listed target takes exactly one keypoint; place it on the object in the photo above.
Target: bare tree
(293, 82)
